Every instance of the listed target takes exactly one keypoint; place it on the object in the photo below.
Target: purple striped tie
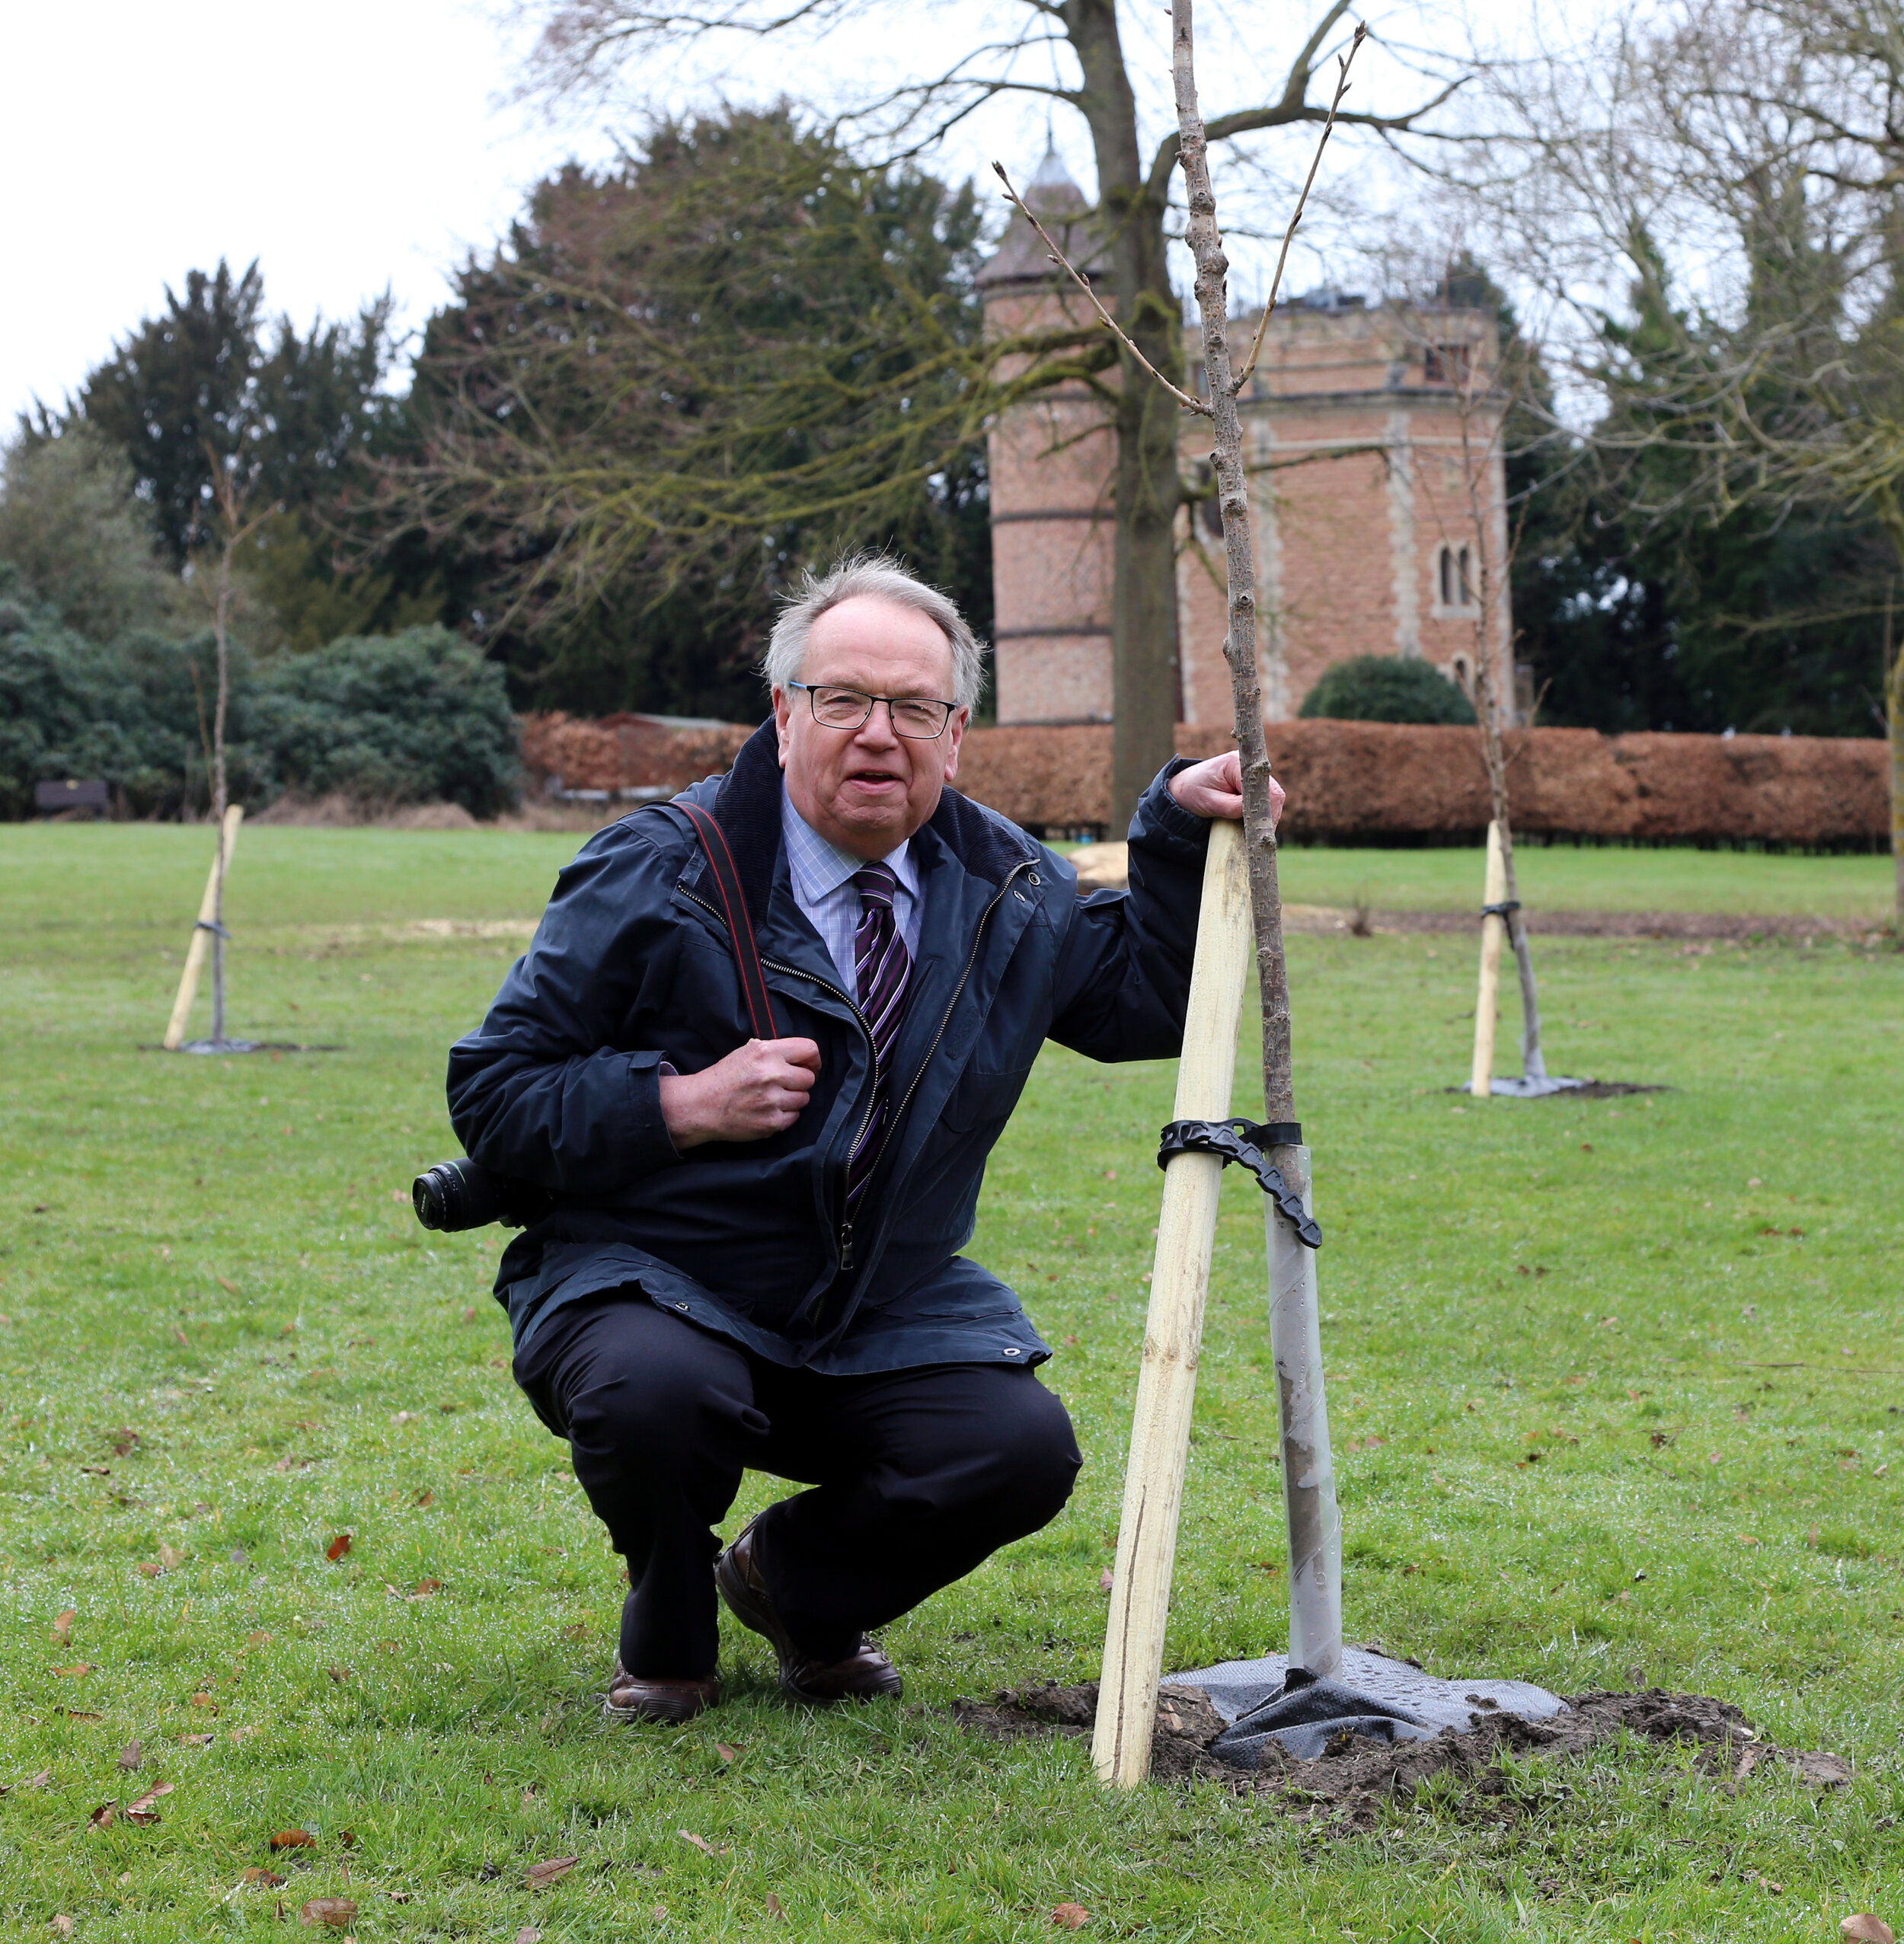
(884, 968)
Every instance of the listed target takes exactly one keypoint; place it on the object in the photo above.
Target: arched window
(1454, 579)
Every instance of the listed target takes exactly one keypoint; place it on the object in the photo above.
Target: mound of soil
(1353, 1782)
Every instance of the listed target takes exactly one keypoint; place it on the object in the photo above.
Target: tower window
(1447, 364)
(1454, 579)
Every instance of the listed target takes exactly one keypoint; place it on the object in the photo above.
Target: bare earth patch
(1353, 1782)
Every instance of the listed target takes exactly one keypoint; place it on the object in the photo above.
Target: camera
(462, 1194)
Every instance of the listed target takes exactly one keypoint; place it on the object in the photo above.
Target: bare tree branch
(1083, 282)
(1302, 203)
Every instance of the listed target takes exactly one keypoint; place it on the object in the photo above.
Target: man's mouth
(875, 779)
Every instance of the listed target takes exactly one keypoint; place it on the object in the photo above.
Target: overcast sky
(371, 142)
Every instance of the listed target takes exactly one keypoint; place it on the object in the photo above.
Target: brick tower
(1379, 497)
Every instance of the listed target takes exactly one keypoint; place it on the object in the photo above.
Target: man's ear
(783, 722)
(955, 734)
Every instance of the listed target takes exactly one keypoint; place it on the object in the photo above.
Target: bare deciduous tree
(1742, 166)
(588, 44)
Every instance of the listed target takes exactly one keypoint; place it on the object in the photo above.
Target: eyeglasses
(915, 716)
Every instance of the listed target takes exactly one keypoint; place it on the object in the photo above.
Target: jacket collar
(747, 808)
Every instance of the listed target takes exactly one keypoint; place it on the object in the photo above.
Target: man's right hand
(759, 1089)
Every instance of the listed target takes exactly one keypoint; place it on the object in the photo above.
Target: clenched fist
(758, 1089)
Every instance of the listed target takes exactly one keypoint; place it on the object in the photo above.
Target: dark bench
(48, 799)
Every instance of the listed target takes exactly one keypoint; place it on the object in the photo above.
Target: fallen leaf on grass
(337, 1548)
(293, 1839)
(1107, 1580)
(726, 1751)
(122, 1440)
(338, 1675)
(78, 1670)
(263, 1878)
(62, 1925)
(1864, 1928)
(540, 1876)
(230, 1288)
(528, 1934)
(197, 1741)
(130, 1756)
(1770, 1888)
(700, 1842)
(1070, 1917)
(102, 1817)
(425, 1498)
(151, 1569)
(63, 1626)
(774, 1908)
(328, 1912)
(142, 1811)
(170, 1558)
(425, 1587)
(399, 1896)
(42, 1780)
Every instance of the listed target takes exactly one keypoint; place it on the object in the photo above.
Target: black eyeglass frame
(811, 689)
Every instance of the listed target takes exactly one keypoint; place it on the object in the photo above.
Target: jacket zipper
(892, 1120)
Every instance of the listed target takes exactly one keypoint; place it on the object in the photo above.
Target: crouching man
(753, 1259)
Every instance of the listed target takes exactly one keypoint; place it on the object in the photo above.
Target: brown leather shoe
(631, 1698)
(864, 1674)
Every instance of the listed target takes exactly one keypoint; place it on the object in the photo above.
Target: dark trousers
(917, 1475)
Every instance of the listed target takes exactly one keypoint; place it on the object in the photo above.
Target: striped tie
(884, 969)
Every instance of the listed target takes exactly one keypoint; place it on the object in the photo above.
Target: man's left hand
(1215, 789)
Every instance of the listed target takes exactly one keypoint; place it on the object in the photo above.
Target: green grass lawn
(1618, 1387)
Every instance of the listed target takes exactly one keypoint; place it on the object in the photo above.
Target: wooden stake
(201, 938)
(1173, 1330)
(1493, 931)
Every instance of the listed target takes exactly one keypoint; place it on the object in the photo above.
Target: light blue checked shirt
(823, 875)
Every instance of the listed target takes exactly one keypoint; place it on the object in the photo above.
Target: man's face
(866, 789)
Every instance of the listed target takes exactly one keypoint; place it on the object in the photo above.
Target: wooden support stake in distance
(1173, 1330)
(1493, 931)
(201, 937)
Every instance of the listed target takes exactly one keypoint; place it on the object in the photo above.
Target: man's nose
(877, 729)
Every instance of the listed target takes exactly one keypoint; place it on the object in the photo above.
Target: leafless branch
(1083, 282)
(1302, 202)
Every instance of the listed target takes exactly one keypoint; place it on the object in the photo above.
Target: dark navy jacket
(631, 966)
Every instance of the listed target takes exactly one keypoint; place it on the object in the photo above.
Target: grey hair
(878, 577)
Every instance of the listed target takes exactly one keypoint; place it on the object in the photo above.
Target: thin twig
(1302, 203)
(1083, 282)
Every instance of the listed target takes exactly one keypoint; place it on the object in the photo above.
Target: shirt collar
(820, 867)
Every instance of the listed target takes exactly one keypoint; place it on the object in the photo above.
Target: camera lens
(453, 1195)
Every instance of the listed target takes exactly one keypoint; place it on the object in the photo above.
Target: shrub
(418, 716)
(1387, 688)
(393, 719)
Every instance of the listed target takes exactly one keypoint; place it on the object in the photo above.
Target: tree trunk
(1308, 1480)
(1144, 657)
